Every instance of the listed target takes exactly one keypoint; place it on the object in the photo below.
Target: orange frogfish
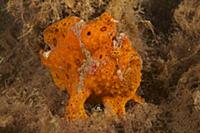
(91, 59)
